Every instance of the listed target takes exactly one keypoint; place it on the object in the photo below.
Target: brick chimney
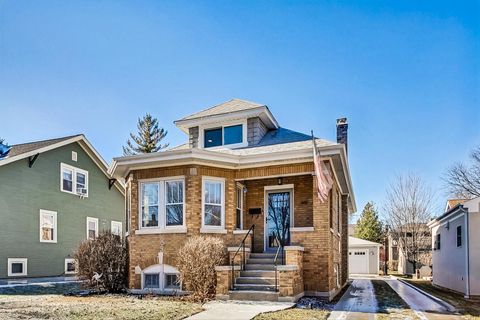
(342, 132)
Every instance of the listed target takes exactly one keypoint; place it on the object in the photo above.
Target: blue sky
(405, 73)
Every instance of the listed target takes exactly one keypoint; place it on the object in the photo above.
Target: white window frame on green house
(95, 220)
(213, 228)
(116, 225)
(69, 261)
(23, 261)
(161, 205)
(75, 172)
(53, 215)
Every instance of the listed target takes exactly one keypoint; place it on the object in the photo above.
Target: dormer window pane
(213, 137)
(233, 134)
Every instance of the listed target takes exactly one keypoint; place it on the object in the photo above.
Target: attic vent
(74, 156)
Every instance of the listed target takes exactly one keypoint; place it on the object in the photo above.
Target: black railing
(279, 249)
(242, 246)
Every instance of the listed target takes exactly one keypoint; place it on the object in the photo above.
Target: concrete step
(260, 261)
(254, 287)
(255, 280)
(257, 273)
(252, 295)
(259, 267)
(262, 255)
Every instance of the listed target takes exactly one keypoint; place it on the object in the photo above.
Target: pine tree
(369, 227)
(148, 139)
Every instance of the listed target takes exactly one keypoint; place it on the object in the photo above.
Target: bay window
(162, 204)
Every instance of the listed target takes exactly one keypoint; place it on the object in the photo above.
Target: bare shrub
(196, 262)
(102, 262)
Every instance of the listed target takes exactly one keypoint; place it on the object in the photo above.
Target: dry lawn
(294, 314)
(93, 307)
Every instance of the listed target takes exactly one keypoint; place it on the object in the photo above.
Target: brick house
(240, 169)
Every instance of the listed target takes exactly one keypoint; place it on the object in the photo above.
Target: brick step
(253, 295)
(254, 287)
(259, 267)
(260, 261)
(257, 273)
(255, 280)
(262, 255)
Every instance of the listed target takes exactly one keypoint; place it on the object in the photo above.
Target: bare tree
(409, 206)
(463, 181)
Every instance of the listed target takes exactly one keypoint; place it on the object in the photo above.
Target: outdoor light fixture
(280, 181)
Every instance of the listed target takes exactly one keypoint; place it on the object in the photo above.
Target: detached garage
(363, 256)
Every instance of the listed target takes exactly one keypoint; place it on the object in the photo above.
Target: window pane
(150, 194)
(174, 214)
(151, 281)
(232, 134)
(213, 138)
(71, 266)
(17, 267)
(81, 186)
(213, 215)
(171, 281)
(213, 192)
(238, 221)
(174, 192)
(150, 216)
(67, 180)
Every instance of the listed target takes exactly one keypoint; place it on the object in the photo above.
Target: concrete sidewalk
(237, 310)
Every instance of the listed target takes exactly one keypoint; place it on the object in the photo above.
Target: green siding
(24, 191)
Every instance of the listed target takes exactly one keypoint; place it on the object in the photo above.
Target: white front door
(358, 261)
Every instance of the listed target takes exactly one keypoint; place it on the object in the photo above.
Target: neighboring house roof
(225, 107)
(451, 203)
(29, 149)
(23, 148)
(357, 242)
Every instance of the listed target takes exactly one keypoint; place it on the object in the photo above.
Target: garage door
(358, 261)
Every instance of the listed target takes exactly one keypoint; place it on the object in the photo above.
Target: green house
(54, 194)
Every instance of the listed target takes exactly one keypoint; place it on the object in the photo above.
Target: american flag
(323, 177)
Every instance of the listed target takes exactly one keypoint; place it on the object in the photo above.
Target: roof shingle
(226, 107)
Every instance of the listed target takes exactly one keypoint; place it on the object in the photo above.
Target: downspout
(467, 256)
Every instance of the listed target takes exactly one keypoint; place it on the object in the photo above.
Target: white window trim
(162, 204)
(74, 170)
(160, 270)
(237, 188)
(90, 219)
(55, 226)
(202, 128)
(118, 223)
(213, 229)
(10, 261)
(67, 261)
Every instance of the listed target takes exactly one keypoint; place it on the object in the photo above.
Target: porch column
(291, 274)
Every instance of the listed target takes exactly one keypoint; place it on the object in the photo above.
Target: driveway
(361, 302)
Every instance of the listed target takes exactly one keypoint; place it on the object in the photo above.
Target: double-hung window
(213, 203)
(162, 204)
(73, 180)
(239, 209)
(92, 228)
(437, 242)
(48, 226)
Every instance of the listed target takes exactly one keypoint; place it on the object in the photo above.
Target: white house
(363, 256)
(456, 247)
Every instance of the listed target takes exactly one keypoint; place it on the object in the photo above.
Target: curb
(448, 306)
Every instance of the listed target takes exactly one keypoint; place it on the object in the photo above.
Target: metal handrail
(280, 246)
(242, 246)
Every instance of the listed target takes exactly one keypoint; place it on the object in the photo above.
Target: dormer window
(227, 135)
